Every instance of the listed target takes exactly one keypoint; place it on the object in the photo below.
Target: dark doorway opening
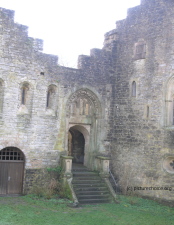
(76, 145)
(11, 171)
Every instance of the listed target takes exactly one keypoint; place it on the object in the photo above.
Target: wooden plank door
(11, 177)
(15, 177)
(3, 178)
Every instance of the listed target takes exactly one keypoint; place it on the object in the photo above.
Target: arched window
(25, 98)
(48, 98)
(51, 95)
(134, 89)
(86, 102)
(147, 113)
(24, 93)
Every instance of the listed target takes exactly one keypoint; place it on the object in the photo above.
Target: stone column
(103, 166)
(66, 163)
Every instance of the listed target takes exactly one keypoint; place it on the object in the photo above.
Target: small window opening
(48, 99)
(147, 112)
(23, 96)
(134, 89)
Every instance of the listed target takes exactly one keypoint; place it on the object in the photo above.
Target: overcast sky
(69, 27)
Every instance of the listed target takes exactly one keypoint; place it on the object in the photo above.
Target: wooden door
(15, 177)
(3, 178)
(11, 171)
(11, 177)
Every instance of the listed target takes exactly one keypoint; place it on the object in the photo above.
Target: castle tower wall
(143, 145)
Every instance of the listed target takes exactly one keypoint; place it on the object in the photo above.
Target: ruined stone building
(118, 103)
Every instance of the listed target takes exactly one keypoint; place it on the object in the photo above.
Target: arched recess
(169, 103)
(25, 98)
(51, 97)
(83, 115)
(83, 102)
(78, 143)
(134, 89)
(12, 162)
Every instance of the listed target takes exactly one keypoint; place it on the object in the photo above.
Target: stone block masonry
(120, 100)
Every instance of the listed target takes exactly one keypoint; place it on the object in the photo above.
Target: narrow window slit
(134, 89)
(147, 111)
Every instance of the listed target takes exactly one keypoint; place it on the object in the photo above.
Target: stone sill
(66, 157)
(169, 127)
(103, 158)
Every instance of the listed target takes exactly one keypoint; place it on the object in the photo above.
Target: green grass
(28, 210)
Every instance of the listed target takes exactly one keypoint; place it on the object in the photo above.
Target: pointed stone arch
(78, 143)
(83, 102)
(83, 113)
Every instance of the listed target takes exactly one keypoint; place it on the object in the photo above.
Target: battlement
(17, 39)
(146, 2)
(7, 15)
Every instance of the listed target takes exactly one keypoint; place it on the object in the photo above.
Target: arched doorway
(11, 171)
(83, 113)
(76, 145)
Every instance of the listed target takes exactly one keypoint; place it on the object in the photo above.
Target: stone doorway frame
(85, 130)
(93, 123)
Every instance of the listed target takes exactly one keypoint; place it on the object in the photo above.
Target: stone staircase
(88, 186)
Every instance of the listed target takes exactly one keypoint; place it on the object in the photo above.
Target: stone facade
(120, 99)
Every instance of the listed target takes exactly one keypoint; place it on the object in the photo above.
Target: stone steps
(92, 192)
(86, 181)
(89, 187)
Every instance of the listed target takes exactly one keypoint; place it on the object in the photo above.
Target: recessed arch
(25, 98)
(83, 102)
(134, 89)
(25, 88)
(78, 143)
(51, 96)
(84, 112)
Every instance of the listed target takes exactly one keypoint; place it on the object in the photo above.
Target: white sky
(69, 27)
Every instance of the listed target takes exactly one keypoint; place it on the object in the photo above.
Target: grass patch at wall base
(29, 210)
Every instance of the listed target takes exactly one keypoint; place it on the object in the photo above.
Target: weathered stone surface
(120, 99)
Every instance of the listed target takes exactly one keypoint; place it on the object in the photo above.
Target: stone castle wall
(143, 139)
(130, 81)
(38, 130)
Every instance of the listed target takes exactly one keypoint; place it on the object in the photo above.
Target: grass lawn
(28, 210)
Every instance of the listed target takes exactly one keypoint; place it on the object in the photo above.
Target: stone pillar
(66, 163)
(103, 166)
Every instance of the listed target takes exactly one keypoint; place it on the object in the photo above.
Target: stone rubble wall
(133, 130)
(39, 132)
(140, 143)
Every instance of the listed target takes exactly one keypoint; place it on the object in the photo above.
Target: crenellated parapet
(14, 38)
